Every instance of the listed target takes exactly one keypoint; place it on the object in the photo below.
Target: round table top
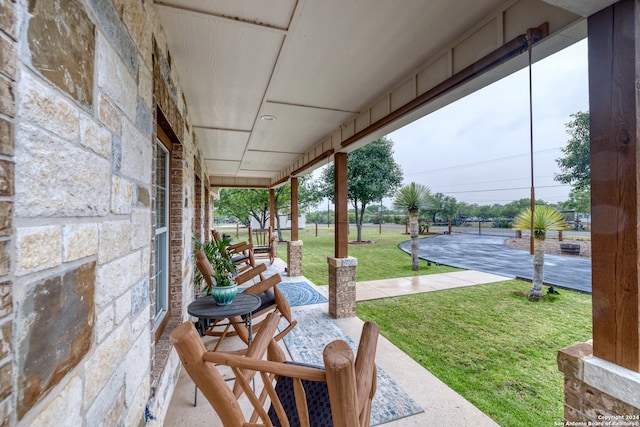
(207, 308)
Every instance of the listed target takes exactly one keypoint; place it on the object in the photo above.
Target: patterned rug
(301, 293)
(306, 342)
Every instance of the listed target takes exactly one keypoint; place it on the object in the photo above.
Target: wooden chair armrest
(250, 274)
(278, 368)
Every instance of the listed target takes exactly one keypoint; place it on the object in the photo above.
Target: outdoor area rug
(308, 339)
(301, 293)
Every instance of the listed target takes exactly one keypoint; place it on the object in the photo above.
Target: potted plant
(224, 288)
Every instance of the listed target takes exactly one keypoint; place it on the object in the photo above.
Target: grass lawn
(379, 260)
(490, 344)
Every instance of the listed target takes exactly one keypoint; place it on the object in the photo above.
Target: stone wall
(9, 30)
(81, 82)
(597, 392)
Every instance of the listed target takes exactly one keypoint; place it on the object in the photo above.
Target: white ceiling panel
(304, 125)
(222, 167)
(265, 161)
(222, 144)
(228, 66)
(346, 58)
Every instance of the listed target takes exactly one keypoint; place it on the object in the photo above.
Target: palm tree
(545, 218)
(413, 197)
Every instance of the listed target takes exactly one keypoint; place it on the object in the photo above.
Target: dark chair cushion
(317, 401)
(267, 299)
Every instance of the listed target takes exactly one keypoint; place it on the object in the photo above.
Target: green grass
(490, 344)
(379, 260)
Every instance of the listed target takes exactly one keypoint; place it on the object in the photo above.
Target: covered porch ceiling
(275, 87)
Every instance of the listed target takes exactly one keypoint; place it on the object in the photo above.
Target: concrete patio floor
(442, 406)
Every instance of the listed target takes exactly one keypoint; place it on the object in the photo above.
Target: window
(162, 237)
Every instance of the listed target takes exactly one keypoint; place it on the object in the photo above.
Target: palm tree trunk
(535, 294)
(413, 227)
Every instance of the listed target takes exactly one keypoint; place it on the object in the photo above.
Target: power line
(507, 189)
(482, 162)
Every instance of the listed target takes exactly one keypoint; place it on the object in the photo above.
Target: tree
(442, 206)
(244, 204)
(413, 197)
(372, 174)
(575, 164)
(308, 195)
(545, 218)
(579, 200)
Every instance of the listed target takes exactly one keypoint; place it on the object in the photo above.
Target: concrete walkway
(489, 254)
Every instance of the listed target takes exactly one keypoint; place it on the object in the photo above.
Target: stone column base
(294, 258)
(597, 392)
(342, 287)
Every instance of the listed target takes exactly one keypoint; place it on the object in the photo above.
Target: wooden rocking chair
(298, 394)
(272, 300)
(263, 242)
(240, 253)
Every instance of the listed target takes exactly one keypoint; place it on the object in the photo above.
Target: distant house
(285, 222)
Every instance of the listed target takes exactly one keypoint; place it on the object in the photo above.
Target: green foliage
(442, 207)
(545, 218)
(575, 164)
(216, 255)
(500, 349)
(245, 204)
(372, 174)
(412, 197)
(579, 200)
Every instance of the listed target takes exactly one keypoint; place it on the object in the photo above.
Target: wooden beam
(272, 209)
(615, 189)
(341, 235)
(294, 209)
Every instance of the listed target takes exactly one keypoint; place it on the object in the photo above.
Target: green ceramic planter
(224, 295)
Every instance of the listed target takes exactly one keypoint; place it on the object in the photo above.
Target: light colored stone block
(141, 228)
(108, 406)
(105, 323)
(123, 307)
(79, 241)
(145, 85)
(121, 195)
(117, 277)
(103, 363)
(68, 179)
(136, 153)
(115, 240)
(95, 137)
(114, 78)
(141, 321)
(618, 382)
(110, 115)
(137, 365)
(38, 248)
(65, 409)
(42, 106)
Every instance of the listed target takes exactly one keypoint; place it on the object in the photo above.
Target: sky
(477, 149)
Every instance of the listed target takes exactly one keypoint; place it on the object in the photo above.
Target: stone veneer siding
(294, 258)
(597, 392)
(8, 41)
(77, 212)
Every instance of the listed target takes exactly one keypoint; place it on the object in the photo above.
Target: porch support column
(294, 247)
(615, 192)
(342, 268)
(272, 209)
(272, 217)
(603, 378)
